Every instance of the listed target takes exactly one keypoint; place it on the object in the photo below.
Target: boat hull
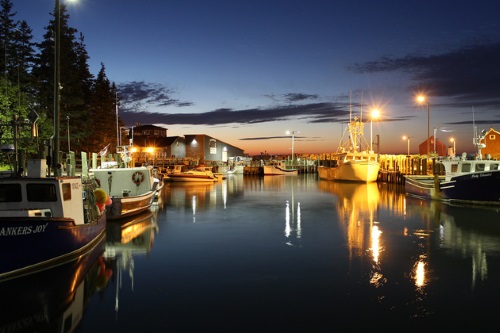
(30, 245)
(132, 190)
(192, 178)
(362, 171)
(476, 188)
(481, 187)
(270, 170)
(422, 187)
(124, 207)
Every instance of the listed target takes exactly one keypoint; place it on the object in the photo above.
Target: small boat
(279, 168)
(465, 181)
(236, 170)
(354, 160)
(198, 174)
(132, 189)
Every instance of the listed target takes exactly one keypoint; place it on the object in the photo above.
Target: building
(439, 148)
(492, 142)
(152, 144)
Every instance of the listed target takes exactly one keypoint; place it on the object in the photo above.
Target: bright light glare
(420, 274)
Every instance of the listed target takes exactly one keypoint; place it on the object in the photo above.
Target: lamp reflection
(290, 216)
(419, 273)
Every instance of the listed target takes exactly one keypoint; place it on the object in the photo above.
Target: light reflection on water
(297, 254)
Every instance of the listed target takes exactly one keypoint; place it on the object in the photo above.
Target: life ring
(137, 178)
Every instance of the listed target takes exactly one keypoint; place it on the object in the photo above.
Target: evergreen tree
(103, 112)
(16, 62)
(7, 30)
(75, 80)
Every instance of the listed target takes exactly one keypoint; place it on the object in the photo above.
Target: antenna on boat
(478, 138)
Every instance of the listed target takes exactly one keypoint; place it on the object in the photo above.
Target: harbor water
(275, 254)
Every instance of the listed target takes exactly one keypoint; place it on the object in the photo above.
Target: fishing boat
(279, 168)
(45, 219)
(199, 174)
(466, 181)
(354, 160)
(132, 189)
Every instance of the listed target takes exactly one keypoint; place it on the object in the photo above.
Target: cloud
(467, 75)
(139, 96)
(313, 113)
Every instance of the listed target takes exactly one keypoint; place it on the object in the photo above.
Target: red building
(440, 148)
(492, 141)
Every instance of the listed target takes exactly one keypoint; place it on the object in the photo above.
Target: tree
(103, 111)
(75, 80)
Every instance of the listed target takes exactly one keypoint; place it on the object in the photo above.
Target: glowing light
(375, 238)
(420, 274)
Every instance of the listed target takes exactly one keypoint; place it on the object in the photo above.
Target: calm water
(280, 254)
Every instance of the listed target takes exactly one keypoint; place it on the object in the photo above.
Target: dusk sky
(246, 72)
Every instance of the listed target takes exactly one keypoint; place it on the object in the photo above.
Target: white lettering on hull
(23, 230)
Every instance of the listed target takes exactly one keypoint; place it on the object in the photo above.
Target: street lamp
(57, 91)
(293, 141)
(421, 99)
(408, 138)
(454, 150)
(57, 102)
(375, 115)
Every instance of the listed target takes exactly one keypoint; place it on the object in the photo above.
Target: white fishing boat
(279, 168)
(132, 189)
(198, 174)
(354, 160)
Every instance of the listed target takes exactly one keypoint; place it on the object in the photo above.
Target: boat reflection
(127, 239)
(52, 300)
(474, 233)
(357, 207)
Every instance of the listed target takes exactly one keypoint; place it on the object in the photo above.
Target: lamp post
(293, 142)
(57, 102)
(422, 99)
(408, 139)
(57, 92)
(454, 150)
(375, 115)
(69, 148)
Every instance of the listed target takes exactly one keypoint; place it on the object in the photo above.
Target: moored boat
(198, 174)
(351, 162)
(279, 168)
(132, 189)
(465, 181)
(46, 221)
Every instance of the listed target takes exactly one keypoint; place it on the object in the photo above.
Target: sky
(249, 72)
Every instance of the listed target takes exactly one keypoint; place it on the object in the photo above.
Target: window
(480, 167)
(492, 136)
(466, 167)
(10, 193)
(494, 166)
(42, 192)
(66, 191)
(213, 146)
(454, 167)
